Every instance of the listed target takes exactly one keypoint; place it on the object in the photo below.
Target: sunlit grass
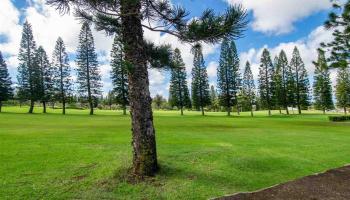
(77, 156)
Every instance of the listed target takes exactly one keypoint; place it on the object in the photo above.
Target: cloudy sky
(274, 24)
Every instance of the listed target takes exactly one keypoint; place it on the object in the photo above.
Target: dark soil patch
(333, 184)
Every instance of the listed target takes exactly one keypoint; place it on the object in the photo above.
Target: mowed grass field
(77, 156)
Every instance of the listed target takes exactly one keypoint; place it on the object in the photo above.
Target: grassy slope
(84, 157)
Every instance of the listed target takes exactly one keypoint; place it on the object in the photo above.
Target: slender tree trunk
(180, 92)
(44, 107)
(345, 111)
(124, 110)
(64, 106)
(53, 105)
(287, 111)
(280, 110)
(31, 108)
(269, 112)
(143, 133)
(238, 111)
(251, 110)
(0, 106)
(88, 79)
(202, 108)
(324, 111)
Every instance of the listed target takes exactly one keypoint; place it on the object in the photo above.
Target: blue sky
(276, 25)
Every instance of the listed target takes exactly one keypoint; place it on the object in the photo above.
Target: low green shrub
(339, 118)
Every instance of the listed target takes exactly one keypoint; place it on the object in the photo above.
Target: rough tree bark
(143, 133)
(44, 107)
(31, 108)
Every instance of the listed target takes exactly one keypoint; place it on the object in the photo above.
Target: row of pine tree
(281, 84)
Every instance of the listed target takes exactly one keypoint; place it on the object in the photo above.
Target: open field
(77, 156)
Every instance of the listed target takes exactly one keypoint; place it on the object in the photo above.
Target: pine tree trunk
(31, 108)
(324, 111)
(251, 110)
(287, 111)
(124, 110)
(345, 111)
(280, 110)
(53, 105)
(44, 107)
(238, 111)
(64, 106)
(269, 112)
(88, 78)
(91, 107)
(202, 108)
(143, 133)
(182, 112)
(0, 106)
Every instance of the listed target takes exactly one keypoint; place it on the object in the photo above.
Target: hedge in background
(339, 118)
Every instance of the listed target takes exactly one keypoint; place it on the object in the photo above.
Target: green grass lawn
(51, 156)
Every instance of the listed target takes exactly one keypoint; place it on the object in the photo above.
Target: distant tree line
(281, 84)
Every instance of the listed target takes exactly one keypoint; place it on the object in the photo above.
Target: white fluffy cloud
(278, 16)
(9, 28)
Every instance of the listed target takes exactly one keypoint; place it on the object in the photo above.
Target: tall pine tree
(322, 84)
(301, 87)
(343, 88)
(89, 78)
(62, 80)
(282, 88)
(6, 90)
(200, 83)
(130, 18)
(228, 75)
(248, 87)
(179, 95)
(266, 72)
(46, 76)
(119, 74)
(28, 71)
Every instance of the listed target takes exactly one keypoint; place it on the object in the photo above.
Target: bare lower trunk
(280, 110)
(238, 111)
(91, 108)
(64, 107)
(299, 109)
(124, 110)
(228, 111)
(53, 105)
(44, 107)
(324, 111)
(345, 111)
(287, 111)
(143, 133)
(251, 111)
(269, 112)
(0, 105)
(31, 108)
(202, 108)
(182, 112)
